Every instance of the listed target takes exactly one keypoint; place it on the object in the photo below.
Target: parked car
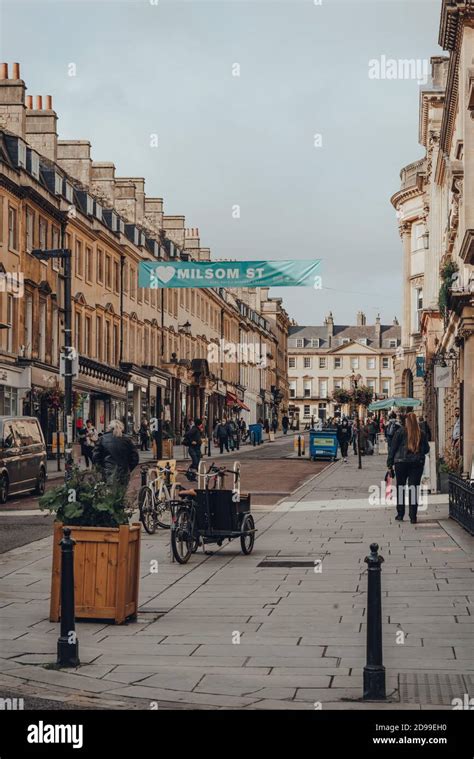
(22, 456)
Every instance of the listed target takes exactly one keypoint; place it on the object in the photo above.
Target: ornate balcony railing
(461, 502)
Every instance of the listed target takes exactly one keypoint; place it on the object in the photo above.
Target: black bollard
(299, 445)
(68, 645)
(374, 671)
(144, 475)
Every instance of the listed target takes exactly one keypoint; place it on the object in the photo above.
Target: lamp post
(64, 254)
(355, 381)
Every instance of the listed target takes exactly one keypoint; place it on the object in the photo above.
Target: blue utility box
(323, 444)
(255, 431)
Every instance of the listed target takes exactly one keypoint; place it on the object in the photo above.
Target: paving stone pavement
(224, 632)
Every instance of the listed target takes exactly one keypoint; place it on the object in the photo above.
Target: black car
(22, 456)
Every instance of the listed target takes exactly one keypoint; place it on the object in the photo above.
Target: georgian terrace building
(435, 210)
(140, 351)
(322, 359)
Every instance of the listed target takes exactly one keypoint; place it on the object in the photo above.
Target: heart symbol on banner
(165, 273)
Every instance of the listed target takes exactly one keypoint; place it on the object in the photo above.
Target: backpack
(392, 428)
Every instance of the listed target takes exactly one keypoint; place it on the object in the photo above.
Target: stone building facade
(435, 211)
(328, 357)
(141, 351)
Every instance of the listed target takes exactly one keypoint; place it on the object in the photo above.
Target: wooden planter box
(106, 572)
(167, 449)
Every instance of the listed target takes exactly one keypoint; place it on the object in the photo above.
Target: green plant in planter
(446, 274)
(87, 501)
(451, 462)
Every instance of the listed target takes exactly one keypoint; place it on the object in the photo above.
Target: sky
(267, 105)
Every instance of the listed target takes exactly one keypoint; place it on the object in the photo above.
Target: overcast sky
(146, 67)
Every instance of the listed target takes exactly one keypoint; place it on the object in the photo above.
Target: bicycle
(154, 501)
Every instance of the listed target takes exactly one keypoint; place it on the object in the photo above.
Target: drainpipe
(122, 269)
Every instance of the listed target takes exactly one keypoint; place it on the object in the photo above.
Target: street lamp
(64, 254)
(355, 381)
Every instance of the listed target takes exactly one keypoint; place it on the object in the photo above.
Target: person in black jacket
(193, 440)
(407, 452)
(115, 454)
(344, 437)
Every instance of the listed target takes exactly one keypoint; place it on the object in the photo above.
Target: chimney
(192, 242)
(130, 198)
(361, 320)
(378, 331)
(12, 101)
(329, 322)
(103, 182)
(154, 213)
(174, 228)
(41, 126)
(204, 254)
(74, 156)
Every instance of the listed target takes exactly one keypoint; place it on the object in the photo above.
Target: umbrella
(397, 402)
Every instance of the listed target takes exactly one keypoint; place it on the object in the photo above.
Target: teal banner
(229, 274)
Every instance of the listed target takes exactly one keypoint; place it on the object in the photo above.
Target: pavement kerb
(305, 484)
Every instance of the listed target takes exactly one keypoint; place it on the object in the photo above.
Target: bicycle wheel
(182, 540)
(163, 508)
(147, 511)
(247, 541)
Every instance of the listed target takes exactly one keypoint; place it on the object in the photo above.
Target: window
(55, 244)
(323, 388)
(78, 332)
(315, 342)
(43, 233)
(371, 383)
(108, 343)
(354, 363)
(108, 272)
(12, 228)
(79, 262)
(98, 338)
(307, 389)
(125, 277)
(30, 229)
(116, 357)
(292, 362)
(28, 339)
(392, 343)
(322, 362)
(307, 362)
(87, 336)
(371, 363)
(10, 322)
(133, 283)
(417, 232)
(419, 306)
(385, 363)
(54, 336)
(337, 383)
(42, 331)
(306, 410)
(88, 262)
(386, 387)
(9, 405)
(338, 363)
(292, 388)
(299, 342)
(116, 277)
(100, 266)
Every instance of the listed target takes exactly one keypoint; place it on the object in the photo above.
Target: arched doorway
(407, 381)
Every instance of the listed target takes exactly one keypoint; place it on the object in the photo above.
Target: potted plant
(450, 463)
(107, 550)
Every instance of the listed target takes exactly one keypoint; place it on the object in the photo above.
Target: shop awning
(232, 400)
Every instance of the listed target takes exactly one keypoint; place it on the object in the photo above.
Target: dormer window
(98, 210)
(32, 163)
(299, 342)
(68, 191)
(315, 342)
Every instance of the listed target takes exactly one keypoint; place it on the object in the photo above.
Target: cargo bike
(210, 514)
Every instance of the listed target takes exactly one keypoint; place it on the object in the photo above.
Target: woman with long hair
(407, 453)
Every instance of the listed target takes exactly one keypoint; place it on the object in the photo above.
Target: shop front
(15, 387)
(99, 395)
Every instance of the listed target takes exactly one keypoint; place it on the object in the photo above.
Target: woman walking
(344, 437)
(115, 455)
(407, 452)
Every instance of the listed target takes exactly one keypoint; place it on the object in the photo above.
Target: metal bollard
(299, 445)
(374, 671)
(68, 645)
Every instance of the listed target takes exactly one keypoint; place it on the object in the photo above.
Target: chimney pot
(49, 103)
(39, 102)
(3, 70)
(16, 71)
(29, 102)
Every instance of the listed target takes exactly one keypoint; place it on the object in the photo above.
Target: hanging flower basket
(363, 395)
(340, 395)
(53, 396)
